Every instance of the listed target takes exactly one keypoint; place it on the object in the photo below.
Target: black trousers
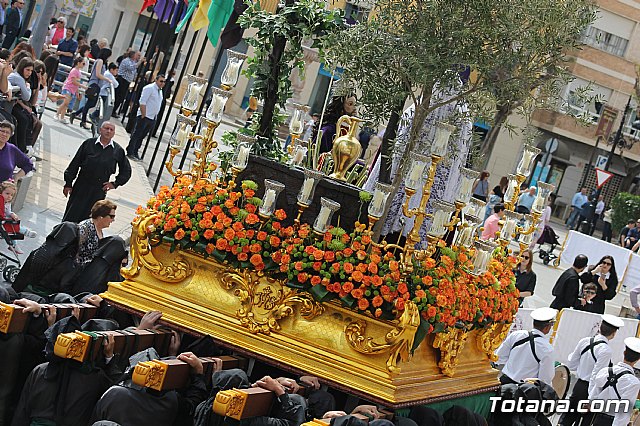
(141, 130)
(506, 380)
(580, 392)
(121, 92)
(602, 420)
(606, 232)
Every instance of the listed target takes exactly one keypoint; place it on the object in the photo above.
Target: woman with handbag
(96, 82)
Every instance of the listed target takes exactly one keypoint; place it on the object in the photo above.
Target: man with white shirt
(528, 354)
(590, 356)
(598, 214)
(617, 383)
(150, 102)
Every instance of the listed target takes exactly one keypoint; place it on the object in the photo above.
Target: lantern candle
(327, 208)
(271, 191)
(243, 154)
(544, 190)
(467, 178)
(441, 216)
(441, 139)
(307, 187)
(379, 200)
(418, 164)
(311, 178)
(298, 156)
(528, 155)
(512, 188)
(509, 227)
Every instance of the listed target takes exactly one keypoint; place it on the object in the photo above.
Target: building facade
(606, 65)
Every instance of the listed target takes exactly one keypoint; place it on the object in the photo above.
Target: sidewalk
(45, 204)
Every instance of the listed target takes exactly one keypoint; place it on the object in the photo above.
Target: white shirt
(110, 144)
(600, 207)
(584, 366)
(104, 91)
(519, 362)
(627, 386)
(152, 98)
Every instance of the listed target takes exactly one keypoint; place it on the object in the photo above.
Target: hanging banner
(83, 7)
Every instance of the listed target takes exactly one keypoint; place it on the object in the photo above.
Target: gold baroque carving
(450, 344)
(398, 341)
(491, 338)
(142, 256)
(265, 301)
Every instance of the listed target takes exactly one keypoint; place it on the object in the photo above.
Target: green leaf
(421, 333)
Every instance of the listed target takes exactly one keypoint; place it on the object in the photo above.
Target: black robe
(93, 166)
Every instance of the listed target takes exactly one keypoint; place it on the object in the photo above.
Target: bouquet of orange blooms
(215, 220)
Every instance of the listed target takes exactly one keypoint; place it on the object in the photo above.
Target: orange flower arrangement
(214, 219)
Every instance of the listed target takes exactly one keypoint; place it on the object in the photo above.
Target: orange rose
(347, 287)
(427, 280)
(261, 236)
(315, 280)
(280, 214)
(348, 267)
(357, 293)
(255, 259)
(242, 257)
(431, 311)
(372, 268)
(329, 256)
(400, 304)
(402, 288)
(393, 265)
(376, 280)
(255, 248)
(179, 234)
(357, 276)
(222, 244)
(252, 219)
(274, 241)
(229, 234)
(209, 248)
(363, 304)
(299, 266)
(208, 234)
(318, 254)
(429, 263)
(377, 301)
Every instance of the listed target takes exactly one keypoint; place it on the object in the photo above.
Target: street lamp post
(618, 138)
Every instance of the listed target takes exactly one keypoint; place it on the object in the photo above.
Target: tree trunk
(490, 140)
(390, 134)
(271, 93)
(42, 26)
(632, 172)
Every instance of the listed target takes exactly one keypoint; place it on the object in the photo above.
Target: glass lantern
(525, 225)
(327, 208)
(231, 72)
(191, 97)
(467, 178)
(311, 180)
(482, 256)
(300, 151)
(509, 227)
(467, 233)
(441, 217)
(271, 190)
(512, 189)
(475, 208)
(379, 201)
(441, 139)
(243, 149)
(419, 163)
(180, 134)
(216, 107)
(544, 190)
(296, 125)
(528, 155)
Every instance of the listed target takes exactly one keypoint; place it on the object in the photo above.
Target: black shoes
(134, 157)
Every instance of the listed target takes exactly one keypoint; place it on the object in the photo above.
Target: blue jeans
(140, 131)
(575, 213)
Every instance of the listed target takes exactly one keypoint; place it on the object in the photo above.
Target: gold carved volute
(489, 339)
(450, 344)
(142, 256)
(398, 342)
(264, 301)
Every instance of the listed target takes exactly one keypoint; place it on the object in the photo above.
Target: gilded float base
(271, 322)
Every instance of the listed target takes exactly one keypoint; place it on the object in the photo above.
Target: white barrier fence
(572, 326)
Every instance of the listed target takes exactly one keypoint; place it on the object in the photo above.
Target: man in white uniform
(528, 354)
(617, 383)
(590, 356)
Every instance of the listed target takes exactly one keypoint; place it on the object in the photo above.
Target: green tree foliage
(625, 207)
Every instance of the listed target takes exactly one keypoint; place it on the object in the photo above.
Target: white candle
(480, 262)
(323, 218)
(465, 236)
(232, 73)
(296, 126)
(377, 201)
(216, 107)
(416, 172)
(243, 155)
(307, 187)
(299, 155)
(269, 199)
(182, 135)
(508, 228)
(538, 204)
(193, 94)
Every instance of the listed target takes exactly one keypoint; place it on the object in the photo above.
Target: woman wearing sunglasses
(604, 276)
(525, 277)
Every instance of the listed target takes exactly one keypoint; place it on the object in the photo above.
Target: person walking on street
(13, 23)
(617, 383)
(598, 213)
(88, 177)
(568, 284)
(607, 232)
(126, 75)
(150, 102)
(481, 186)
(527, 353)
(591, 355)
(577, 201)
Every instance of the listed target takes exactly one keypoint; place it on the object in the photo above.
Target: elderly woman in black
(604, 276)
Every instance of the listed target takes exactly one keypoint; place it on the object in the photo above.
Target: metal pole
(173, 96)
(182, 72)
(593, 153)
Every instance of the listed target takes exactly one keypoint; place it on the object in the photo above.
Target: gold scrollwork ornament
(398, 341)
(450, 344)
(491, 338)
(265, 301)
(142, 256)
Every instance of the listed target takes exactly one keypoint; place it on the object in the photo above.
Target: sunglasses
(112, 216)
(589, 292)
(607, 263)
(525, 257)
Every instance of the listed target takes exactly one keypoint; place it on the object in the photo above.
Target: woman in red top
(57, 32)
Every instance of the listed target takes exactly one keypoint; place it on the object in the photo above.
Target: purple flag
(164, 9)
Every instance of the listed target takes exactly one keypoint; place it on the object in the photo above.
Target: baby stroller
(547, 244)
(9, 232)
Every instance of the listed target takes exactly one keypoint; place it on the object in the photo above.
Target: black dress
(93, 166)
(525, 281)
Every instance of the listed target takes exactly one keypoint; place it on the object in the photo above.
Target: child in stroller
(10, 220)
(547, 244)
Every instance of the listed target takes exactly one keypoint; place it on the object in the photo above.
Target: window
(605, 41)
(354, 13)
